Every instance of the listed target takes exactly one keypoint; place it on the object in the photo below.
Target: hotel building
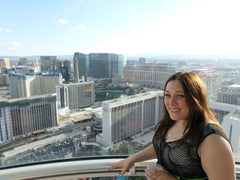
(20, 117)
(148, 74)
(33, 84)
(229, 116)
(75, 95)
(125, 117)
(48, 64)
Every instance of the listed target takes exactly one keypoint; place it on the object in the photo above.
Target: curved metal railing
(74, 169)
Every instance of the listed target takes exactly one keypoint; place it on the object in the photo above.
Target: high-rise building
(23, 61)
(63, 67)
(121, 64)
(20, 117)
(5, 63)
(125, 117)
(48, 64)
(4, 80)
(22, 69)
(75, 95)
(220, 110)
(229, 116)
(142, 60)
(80, 66)
(148, 74)
(231, 124)
(105, 65)
(213, 83)
(33, 84)
(230, 96)
(36, 66)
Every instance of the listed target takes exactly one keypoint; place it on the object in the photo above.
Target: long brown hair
(197, 101)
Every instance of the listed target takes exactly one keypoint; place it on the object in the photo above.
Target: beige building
(148, 74)
(33, 84)
(5, 63)
(23, 61)
(4, 80)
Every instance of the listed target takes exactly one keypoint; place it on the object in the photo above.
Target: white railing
(74, 169)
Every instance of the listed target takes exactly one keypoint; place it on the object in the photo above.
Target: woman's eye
(180, 96)
(167, 95)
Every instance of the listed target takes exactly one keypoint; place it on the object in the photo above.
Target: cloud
(61, 21)
(4, 30)
(79, 27)
(10, 45)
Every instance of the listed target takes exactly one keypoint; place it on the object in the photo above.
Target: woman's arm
(146, 154)
(217, 158)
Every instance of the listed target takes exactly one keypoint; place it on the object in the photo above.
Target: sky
(164, 27)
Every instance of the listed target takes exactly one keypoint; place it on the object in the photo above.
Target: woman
(189, 142)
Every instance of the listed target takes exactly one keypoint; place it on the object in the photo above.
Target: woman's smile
(175, 101)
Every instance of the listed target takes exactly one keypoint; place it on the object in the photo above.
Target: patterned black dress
(180, 157)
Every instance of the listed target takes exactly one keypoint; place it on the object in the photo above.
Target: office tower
(142, 60)
(230, 96)
(121, 64)
(36, 66)
(33, 84)
(213, 83)
(125, 117)
(23, 61)
(148, 74)
(20, 117)
(75, 95)
(5, 63)
(105, 65)
(76, 73)
(48, 64)
(229, 116)
(22, 69)
(4, 80)
(220, 110)
(231, 124)
(64, 69)
(80, 67)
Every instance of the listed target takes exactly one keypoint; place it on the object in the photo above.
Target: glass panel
(85, 78)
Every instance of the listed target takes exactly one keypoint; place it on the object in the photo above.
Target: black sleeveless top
(180, 157)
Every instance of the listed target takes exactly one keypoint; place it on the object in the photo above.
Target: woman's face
(175, 101)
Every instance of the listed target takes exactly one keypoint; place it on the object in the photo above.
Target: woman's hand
(123, 164)
(158, 174)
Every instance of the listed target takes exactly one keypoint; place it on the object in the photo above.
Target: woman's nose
(172, 100)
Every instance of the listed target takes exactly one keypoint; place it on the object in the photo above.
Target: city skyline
(165, 27)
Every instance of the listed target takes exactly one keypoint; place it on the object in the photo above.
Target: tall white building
(231, 124)
(213, 84)
(33, 84)
(75, 95)
(125, 117)
(229, 116)
(20, 117)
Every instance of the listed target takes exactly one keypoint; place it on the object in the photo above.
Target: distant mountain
(31, 58)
